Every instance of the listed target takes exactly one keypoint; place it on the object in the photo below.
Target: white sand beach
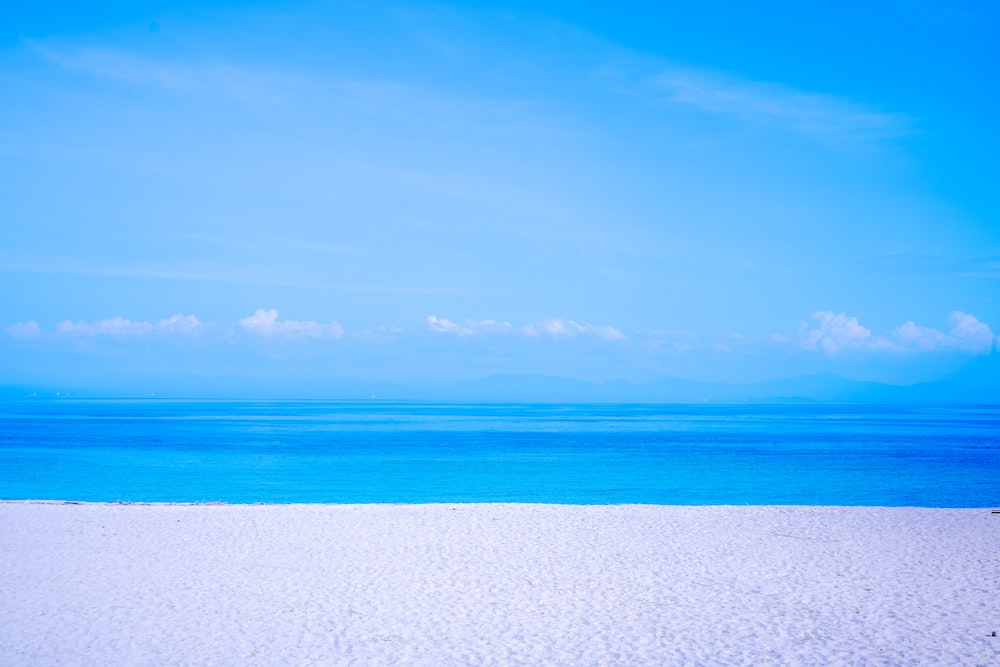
(497, 584)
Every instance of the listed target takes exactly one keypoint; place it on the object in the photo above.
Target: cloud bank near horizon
(112, 326)
(829, 333)
(553, 327)
(837, 332)
(265, 323)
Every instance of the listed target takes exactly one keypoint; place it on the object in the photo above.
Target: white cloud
(967, 334)
(120, 326)
(493, 326)
(25, 330)
(113, 326)
(552, 327)
(836, 332)
(447, 326)
(468, 327)
(557, 328)
(607, 333)
(383, 333)
(182, 324)
(915, 337)
(265, 323)
(820, 116)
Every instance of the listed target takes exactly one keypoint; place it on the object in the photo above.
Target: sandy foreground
(499, 584)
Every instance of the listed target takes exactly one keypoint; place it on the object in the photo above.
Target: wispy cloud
(265, 323)
(468, 327)
(234, 277)
(120, 326)
(916, 264)
(245, 82)
(556, 328)
(113, 326)
(183, 324)
(674, 342)
(250, 82)
(383, 333)
(311, 246)
(25, 330)
(837, 332)
(816, 115)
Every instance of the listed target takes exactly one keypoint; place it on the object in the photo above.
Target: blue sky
(411, 191)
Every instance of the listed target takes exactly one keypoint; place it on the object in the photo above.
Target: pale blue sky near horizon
(437, 191)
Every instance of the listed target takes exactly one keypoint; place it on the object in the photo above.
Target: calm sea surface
(361, 452)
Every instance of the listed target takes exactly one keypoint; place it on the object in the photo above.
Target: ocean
(391, 452)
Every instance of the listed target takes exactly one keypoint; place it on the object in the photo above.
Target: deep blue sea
(363, 452)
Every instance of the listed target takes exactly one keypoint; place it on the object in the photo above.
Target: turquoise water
(360, 452)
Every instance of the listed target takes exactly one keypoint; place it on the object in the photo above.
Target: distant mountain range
(823, 387)
(817, 388)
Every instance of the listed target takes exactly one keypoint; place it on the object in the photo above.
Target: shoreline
(496, 583)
